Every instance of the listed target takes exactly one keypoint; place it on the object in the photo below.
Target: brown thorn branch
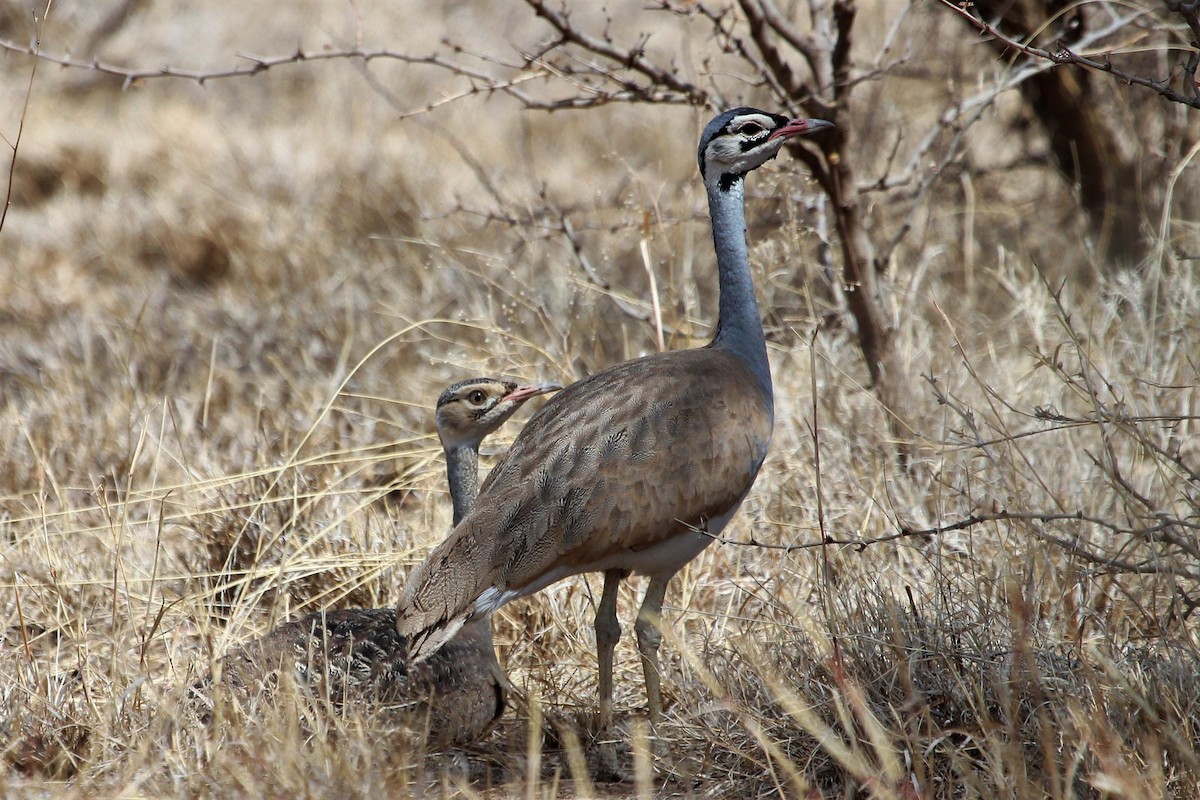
(1190, 11)
(737, 45)
(568, 232)
(1063, 423)
(724, 25)
(633, 58)
(918, 178)
(589, 79)
(844, 13)
(787, 84)
(482, 82)
(1065, 55)
(257, 64)
(455, 143)
(35, 50)
(1150, 566)
(806, 46)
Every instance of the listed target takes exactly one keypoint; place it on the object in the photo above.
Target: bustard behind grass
(634, 469)
(356, 656)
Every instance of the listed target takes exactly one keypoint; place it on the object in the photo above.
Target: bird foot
(631, 753)
(607, 765)
(608, 755)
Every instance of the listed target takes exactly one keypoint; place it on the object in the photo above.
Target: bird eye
(750, 129)
(477, 396)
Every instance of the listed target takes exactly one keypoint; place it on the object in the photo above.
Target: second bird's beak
(526, 391)
(799, 127)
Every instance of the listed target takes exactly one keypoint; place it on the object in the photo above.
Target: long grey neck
(462, 473)
(739, 327)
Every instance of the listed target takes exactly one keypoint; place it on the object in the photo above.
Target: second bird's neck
(739, 327)
(462, 474)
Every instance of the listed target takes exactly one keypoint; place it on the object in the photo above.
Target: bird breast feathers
(654, 451)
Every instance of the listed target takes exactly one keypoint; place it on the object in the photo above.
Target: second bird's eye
(476, 396)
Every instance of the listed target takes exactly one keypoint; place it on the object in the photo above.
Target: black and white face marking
(751, 131)
(740, 140)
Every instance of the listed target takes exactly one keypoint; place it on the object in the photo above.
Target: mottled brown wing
(355, 656)
(613, 464)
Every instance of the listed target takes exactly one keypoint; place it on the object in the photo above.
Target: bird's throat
(739, 326)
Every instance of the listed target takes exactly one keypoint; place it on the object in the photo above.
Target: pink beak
(799, 127)
(526, 391)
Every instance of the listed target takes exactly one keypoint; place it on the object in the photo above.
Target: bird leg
(649, 636)
(608, 632)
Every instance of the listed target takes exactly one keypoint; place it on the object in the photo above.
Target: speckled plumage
(356, 657)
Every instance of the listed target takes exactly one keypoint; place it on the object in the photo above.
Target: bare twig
(1190, 11)
(568, 231)
(256, 65)
(1150, 566)
(1065, 55)
(815, 432)
(633, 58)
(482, 82)
(764, 19)
(35, 50)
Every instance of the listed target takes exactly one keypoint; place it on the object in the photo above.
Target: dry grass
(227, 311)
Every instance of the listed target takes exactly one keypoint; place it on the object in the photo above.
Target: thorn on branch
(1064, 55)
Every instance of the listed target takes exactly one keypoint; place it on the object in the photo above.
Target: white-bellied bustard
(634, 469)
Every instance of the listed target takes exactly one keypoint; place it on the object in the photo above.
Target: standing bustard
(634, 469)
(356, 654)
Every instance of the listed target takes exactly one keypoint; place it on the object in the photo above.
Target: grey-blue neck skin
(739, 327)
(462, 474)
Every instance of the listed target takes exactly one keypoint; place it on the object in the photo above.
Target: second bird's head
(742, 139)
(470, 410)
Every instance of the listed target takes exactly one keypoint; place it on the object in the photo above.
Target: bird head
(470, 410)
(743, 139)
